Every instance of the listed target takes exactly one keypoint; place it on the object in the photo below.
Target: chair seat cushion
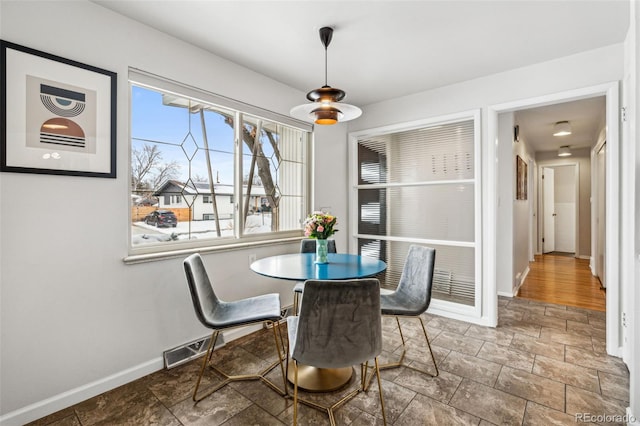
(400, 304)
(265, 307)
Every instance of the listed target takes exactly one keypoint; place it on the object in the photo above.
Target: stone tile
(448, 324)
(485, 372)
(538, 347)
(63, 417)
(532, 387)
(575, 375)
(135, 397)
(567, 315)
(174, 385)
(497, 336)
(613, 386)
(580, 402)
(566, 337)
(502, 301)
(216, 409)
(537, 414)
(546, 321)
(488, 403)
(440, 388)
(458, 342)
(70, 420)
(519, 327)
(586, 329)
(154, 414)
(506, 356)
(599, 345)
(527, 307)
(262, 395)
(396, 399)
(597, 322)
(599, 361)
(253, 415)
(426, 411)
(506, 313)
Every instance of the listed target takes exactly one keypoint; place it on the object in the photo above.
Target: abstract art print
(521, 178)
(58, 115)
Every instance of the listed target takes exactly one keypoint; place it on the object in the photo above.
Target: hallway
(563, 280)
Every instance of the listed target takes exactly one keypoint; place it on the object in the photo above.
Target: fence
(138, 213)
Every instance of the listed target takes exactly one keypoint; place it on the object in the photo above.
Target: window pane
(434, 153)
(183, 162)
(437, 212)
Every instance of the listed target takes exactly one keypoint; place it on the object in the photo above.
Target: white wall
(573, 72)
(521, 241)
(74, 319)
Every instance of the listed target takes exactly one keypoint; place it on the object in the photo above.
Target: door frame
(611, 92)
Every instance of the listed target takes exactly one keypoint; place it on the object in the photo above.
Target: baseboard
(631, 419)
(505, 294)
(584, 257)
(66, 399)
(523, 276)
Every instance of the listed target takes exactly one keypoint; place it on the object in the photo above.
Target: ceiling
(386, 49)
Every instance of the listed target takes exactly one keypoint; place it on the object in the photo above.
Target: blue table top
(302, 266)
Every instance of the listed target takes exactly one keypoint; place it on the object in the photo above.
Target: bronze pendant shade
(325, 107)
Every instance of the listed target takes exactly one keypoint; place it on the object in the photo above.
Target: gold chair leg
(384, 416)
(295, 392)
(260, 376)
(400, 362)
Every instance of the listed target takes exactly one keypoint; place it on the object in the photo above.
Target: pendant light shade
(564, 151)
(562, 128)
(325, 107)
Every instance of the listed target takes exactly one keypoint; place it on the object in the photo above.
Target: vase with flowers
(320, 225)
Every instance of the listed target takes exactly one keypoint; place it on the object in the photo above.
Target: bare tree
(148, 170)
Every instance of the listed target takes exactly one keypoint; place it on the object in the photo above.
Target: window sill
(170, 254)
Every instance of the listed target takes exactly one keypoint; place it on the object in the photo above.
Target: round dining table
(302, 267)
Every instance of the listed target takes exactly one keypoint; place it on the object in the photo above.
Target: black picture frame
(58, 115)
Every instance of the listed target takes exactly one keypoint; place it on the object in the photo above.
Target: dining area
(335, 325)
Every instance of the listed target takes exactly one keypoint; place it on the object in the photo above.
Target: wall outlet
(252, 258)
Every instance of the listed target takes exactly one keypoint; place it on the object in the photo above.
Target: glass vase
(321, 251)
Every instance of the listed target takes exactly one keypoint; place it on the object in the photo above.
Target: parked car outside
(161, 218)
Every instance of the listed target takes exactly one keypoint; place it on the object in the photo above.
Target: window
(185, 158)
(420, 185)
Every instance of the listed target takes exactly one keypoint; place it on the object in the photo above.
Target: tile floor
(544, 364)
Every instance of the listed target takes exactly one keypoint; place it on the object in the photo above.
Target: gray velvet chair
(412, 296)
(308, 246)
(339, 326)
(219, 315)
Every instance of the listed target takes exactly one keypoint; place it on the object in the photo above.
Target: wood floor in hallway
(563, 280)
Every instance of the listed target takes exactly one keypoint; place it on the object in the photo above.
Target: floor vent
(188, 351)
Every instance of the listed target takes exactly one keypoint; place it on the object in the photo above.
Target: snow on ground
(201, 229)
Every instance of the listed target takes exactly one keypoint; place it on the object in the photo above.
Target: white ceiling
(386, 49)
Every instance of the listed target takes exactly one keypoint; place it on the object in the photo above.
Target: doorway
(559, 209)
(612, 235)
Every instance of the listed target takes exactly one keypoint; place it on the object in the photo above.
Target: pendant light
(562, 128)
(325, 107)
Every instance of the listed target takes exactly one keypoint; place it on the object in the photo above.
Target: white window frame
(149, 252)
(440, 307)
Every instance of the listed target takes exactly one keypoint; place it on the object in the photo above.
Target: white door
(565, 208)
(600, 219)
(549, 215)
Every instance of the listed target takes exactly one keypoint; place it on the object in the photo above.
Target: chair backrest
(339, 323)
(203, 297)
(416, 280)
(309, 246)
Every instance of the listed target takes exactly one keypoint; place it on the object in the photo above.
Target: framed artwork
(58, 115)
(521, 178)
